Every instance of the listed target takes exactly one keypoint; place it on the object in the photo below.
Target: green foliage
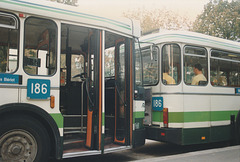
(68, 2)
(220, 19)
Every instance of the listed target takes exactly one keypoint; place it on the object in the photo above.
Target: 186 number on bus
(157, 103)
(38, 89)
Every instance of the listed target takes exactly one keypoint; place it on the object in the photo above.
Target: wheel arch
(42, 116)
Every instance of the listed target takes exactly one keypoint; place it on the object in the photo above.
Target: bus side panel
(45, 105)
(138, 116)
(222, 107)
(197, 111)
(10, 95)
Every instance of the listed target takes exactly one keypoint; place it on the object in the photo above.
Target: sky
(115, 8)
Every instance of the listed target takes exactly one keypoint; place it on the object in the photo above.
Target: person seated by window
(168, 79)
(198, 75)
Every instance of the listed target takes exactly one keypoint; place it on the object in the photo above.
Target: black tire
(23, 138)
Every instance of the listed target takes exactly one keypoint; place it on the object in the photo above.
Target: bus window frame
(137, 51)
(16, 27)
(222, 59)
(196, 55)
(180, 80)
(14, 17)
(56, 46)
(158, 63)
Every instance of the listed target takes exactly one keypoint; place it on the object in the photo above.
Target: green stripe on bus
(201, 116)
(223, 115)
(139, 114)
(58, 119)
(64, 12)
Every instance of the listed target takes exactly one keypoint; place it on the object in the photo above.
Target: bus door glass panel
(120, 93)
(63, 76)
(192, 56)
(78, 50)
(171, 64)
(8, 43)
(72, 65)
(74, 86)
(40, 56)
(77, 67)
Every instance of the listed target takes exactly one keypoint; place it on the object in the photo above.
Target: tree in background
(159, 19)
(68, 2)
(220, 19)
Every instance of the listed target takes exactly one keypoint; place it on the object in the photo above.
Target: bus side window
(171, 64)
(225, 69)
(8, 43)
(40, 53)
(150, 65)
(195, 56)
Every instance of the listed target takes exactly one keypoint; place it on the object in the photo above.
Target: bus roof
(72, 14)
(191, 38)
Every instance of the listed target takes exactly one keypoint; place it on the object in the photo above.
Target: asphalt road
(150, 151)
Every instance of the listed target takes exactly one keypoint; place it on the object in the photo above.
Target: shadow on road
(149, 150)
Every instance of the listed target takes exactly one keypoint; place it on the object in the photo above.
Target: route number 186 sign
(157, 103)
(38, 88)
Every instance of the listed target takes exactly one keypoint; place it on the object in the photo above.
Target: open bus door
(93, 89)
(120, 131)
(80, 90)
(129, 108)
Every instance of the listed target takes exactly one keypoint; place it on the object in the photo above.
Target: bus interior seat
(201, 82)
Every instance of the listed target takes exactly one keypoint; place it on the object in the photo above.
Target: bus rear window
(40, 54)
(8, 43)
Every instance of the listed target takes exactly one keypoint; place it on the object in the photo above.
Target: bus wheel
(23, 139)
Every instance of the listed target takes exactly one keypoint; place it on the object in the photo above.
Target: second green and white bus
(179, 112)
(67, 85)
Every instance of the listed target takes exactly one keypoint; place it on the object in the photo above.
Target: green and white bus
(67, 85)
(176, 110)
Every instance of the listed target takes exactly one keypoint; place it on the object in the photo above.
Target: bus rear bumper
(171, 135)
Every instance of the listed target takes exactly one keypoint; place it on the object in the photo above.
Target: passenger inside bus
(167, 79)
(199, 77)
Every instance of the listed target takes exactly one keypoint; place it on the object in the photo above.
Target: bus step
(74, 121)
(69, 135)
(79, 129)
(108, 140)
(73, 144)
